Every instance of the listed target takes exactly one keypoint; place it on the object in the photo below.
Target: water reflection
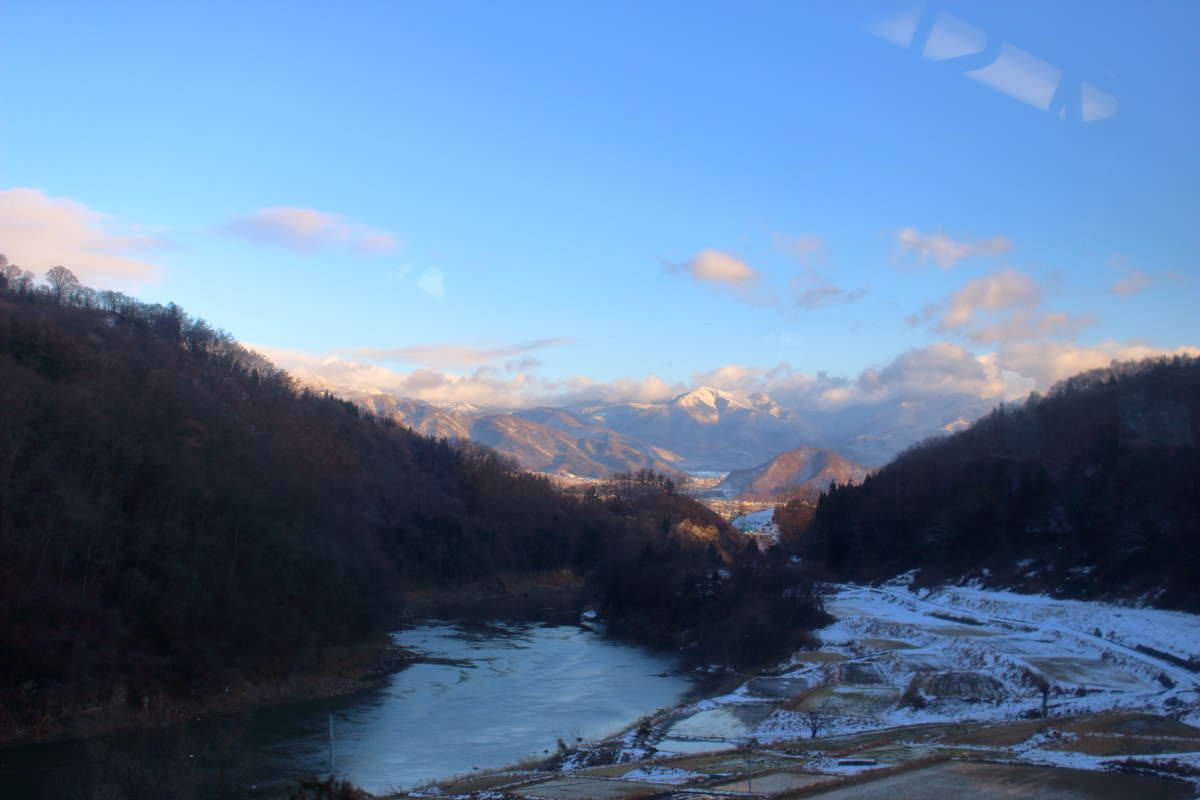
(486, 696)
(491, 695)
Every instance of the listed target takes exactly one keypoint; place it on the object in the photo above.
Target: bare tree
(818, 717)
(63, 283)
(1042, 684)
(18, 280)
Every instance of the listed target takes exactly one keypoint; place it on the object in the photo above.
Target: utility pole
(750, 762)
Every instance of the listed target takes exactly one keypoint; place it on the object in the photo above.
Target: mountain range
(703, 430)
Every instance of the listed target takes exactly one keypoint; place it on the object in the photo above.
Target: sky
(516, 203)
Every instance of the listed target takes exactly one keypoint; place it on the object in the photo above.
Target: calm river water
(490, 695)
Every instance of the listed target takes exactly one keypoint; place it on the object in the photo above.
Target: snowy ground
(963, 654)
(969, 654)
(759, 523)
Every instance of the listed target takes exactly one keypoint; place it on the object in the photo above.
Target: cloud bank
(38, 232)
(936, 370)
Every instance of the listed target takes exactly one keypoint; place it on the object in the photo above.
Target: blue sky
(511, 203)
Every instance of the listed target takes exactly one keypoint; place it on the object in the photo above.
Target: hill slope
(176, 516)
(539, 439)
(801, 473)
(1093, 490)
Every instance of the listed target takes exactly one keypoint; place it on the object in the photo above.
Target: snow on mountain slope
(541, 440)
(703, 429)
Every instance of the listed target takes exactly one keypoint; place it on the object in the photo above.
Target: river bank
(337, 671)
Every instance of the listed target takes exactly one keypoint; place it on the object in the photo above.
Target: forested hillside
(1092, 490)
(176, 515)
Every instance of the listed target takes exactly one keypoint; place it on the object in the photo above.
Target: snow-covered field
(897, 657)
(759, 523)
(969, 654)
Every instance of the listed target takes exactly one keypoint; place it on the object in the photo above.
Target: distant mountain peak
(708, 397)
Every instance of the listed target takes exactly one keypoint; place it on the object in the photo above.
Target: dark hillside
(692, 582)
(1093, 490)
(176, 516)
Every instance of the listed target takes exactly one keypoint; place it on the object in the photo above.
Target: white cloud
(726, 271)
(940, 368)
(479, 387)
(937, 369)
(432, 283)
(1000, 307)
(1048, 362)
(946, 252)
(513, 387)
(578, 389)
(306, 230)
(1001, 290)
(713, 266)
(447, 355)
(38, 232)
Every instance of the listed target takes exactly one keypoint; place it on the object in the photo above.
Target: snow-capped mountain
(711, 429)
(705, 429)
(540, 439)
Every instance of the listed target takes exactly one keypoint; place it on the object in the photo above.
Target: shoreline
(341, 671)
(346, 670)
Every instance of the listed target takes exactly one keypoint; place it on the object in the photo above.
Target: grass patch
(1102, 745)
(481, 783)
(725, 763)
(999, 735)
(1133, 723)
(888, 644)
(817, 657)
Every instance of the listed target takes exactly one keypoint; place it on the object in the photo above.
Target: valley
(858, 622)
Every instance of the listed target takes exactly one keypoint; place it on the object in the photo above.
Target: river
(483, 696)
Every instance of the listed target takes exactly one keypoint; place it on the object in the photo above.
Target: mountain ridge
(703, 429)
